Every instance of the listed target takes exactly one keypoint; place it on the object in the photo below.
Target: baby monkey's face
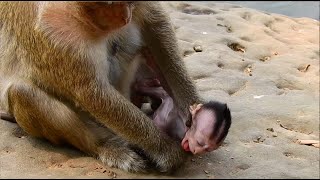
(202, 137)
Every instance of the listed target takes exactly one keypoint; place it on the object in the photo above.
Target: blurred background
(289, 8)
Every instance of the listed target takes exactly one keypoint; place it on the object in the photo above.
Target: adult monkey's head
(109, 15)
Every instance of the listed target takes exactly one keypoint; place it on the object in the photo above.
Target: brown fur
(54, 79)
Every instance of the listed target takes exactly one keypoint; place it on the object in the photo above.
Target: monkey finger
(7, 117)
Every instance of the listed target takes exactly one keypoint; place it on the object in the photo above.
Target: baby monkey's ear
(194, 109)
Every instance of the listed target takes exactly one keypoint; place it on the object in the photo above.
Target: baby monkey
(201, 133)
(195, 136)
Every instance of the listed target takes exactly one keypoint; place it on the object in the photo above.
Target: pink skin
(166, 117)
(195, 139)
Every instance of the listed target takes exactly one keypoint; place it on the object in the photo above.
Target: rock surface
(265, 66)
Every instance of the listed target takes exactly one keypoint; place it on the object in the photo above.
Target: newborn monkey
(165, 116)
(195, 136)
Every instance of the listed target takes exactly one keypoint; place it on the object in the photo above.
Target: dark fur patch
(223, 120)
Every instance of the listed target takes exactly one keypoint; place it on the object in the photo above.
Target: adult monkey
(53, 73)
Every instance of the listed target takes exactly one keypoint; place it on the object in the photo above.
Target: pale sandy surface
(280, 94)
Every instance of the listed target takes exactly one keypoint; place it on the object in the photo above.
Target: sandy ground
(265, 66)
